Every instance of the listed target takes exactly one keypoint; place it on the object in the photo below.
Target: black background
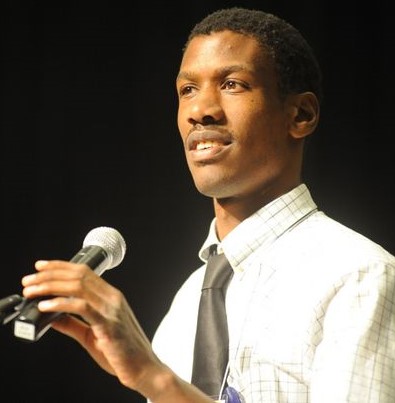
(89, 138)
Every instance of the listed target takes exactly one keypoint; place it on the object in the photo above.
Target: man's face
(232, 121)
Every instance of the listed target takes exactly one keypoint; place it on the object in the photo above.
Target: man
(310, 306)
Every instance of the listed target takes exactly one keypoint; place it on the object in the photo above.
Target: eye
(234, 85)
(185, 90)
(230, 84)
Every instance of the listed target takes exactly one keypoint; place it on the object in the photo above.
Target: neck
(230, 212)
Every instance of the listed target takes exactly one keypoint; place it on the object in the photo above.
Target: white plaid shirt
(310, 307)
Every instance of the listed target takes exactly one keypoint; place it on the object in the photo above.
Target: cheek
(264, 138)
(249, 113)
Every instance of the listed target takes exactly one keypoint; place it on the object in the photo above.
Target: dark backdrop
(89, 138)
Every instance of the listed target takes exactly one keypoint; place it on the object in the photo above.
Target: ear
(304, 113)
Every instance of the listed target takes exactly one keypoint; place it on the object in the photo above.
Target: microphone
(103, 249)
(9, 307)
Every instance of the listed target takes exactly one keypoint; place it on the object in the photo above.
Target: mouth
(208, 151)
(207, 144)
(200, 140)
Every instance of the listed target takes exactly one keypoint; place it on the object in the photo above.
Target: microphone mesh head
(111, 241)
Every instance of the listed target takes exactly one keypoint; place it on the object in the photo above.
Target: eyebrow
(223, 71)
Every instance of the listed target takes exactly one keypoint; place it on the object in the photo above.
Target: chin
(215, 190)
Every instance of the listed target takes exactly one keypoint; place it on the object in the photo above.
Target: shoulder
(321, 243)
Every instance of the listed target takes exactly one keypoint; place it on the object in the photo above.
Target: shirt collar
(262, 228)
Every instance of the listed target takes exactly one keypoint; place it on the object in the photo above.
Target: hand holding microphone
(103, 249)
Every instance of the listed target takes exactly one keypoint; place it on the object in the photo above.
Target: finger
(70, 305)
(42, 265)
(49, 270)
(78, 282)
(82, 333)
(59, 281)
(47, 288)
(71, 326)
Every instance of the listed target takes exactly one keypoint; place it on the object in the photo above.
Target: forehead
(224, 47)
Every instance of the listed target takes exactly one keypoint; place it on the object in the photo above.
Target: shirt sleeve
(355, 361)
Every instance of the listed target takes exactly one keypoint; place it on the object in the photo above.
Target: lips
(207, 139)
(207, 146)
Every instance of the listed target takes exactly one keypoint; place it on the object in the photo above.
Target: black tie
(211, 341)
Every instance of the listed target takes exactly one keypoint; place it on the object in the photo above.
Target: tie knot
(218, 271)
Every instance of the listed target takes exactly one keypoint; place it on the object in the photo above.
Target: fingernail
(26, 280)
(46, 304)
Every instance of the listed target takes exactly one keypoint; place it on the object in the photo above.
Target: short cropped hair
(296, 65)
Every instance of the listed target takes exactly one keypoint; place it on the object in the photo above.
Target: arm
(111, 334)
(355, 361)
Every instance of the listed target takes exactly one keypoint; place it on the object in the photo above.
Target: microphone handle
(94, 256)
(31, 323)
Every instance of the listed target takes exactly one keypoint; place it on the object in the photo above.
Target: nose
(206, 107)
